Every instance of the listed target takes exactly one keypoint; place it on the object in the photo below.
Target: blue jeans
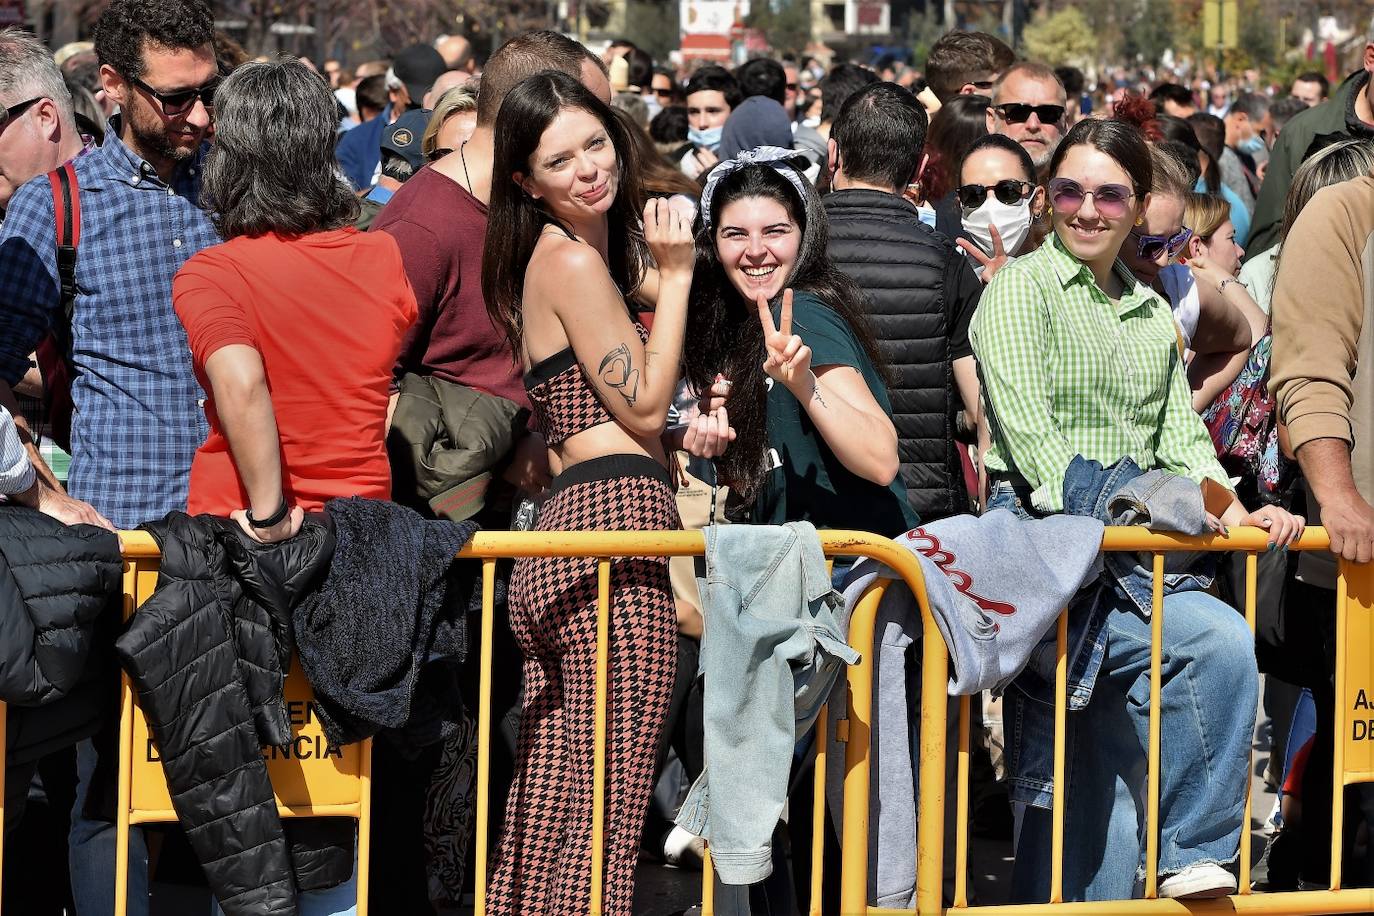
(340, 900)
(91, 851)
(1209, 690)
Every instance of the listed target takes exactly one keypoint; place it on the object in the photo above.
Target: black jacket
(394, 577)
(58, 586)
(208, 654)
(921, 294)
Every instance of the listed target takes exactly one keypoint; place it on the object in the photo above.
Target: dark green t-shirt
(805, 481)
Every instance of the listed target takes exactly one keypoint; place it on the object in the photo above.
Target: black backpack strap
(67, 209)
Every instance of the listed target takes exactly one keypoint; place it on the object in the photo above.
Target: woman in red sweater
(295, 320)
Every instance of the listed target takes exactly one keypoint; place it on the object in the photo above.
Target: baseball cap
(418, 66)
(403, 136)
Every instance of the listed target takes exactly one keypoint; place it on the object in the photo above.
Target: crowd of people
(557, 290)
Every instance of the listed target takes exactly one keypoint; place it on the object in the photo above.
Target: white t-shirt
(1181, 289)
(1258, 276)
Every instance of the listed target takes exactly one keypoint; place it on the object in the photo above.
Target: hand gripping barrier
(1353, 755)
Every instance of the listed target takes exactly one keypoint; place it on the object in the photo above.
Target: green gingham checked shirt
(1067, 371)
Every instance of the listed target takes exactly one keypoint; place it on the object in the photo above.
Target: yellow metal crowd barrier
(339, 785)
(853, 727)
(308, 779)
(1353, 757)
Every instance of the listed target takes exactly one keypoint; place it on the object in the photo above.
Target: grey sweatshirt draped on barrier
(771, 652)
(996, 585)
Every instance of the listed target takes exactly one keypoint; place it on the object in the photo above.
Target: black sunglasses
(1150, 247)
(9, 112)
(1019, 113)
(183, 100)
(1009, 191)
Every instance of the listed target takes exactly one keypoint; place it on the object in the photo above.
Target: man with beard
(1029, 105)
(139, 414)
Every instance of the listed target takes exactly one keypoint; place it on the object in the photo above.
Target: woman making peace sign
(772, 315)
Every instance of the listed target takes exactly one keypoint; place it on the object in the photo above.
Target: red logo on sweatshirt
(929, 546)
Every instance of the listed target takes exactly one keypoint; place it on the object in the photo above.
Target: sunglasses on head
(9, 112)
(1009, 191)
(1019, 113)
(1150, 247)
(1067, 196)
(183, 100)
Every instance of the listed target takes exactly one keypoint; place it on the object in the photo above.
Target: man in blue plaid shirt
(139, 414)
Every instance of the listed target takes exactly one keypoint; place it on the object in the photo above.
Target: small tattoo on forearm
(816, 393)
(617, 371)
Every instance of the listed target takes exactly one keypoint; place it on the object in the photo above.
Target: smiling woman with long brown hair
(565, 246)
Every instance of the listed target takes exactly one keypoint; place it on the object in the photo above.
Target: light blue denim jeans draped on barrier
(772, 648)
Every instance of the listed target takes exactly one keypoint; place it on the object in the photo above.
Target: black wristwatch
(271, 521)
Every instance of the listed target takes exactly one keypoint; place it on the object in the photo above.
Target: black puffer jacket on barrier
(920, 294)
(208, 653)
(56, 584)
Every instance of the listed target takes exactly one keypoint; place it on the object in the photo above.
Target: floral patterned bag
(1243, 422)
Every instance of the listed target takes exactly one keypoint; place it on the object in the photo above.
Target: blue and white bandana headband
(777, 157)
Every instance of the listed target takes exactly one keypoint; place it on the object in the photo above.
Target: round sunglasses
(1067, 196)
(1150, 247)
(1008, 191)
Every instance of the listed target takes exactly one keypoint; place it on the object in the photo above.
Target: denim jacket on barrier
(1121, 494)
(772, 649)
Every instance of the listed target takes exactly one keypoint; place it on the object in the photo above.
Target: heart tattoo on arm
(617, 371)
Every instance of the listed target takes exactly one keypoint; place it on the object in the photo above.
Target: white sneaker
(683, 849)
(1274, 822)
(1199, 882)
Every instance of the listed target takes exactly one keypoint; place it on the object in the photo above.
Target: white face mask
(1013, 222)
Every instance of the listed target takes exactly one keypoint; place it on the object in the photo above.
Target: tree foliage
(787, 23)
(1061, 38)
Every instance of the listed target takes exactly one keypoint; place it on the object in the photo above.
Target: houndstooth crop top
(563, 399)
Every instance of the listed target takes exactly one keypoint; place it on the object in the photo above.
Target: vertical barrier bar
(961, 808)
(126, 759)
(930, 825)
(818, 814)
(364, 827)
(1338, 750)
(603, 647)
(708, 884)
(1251, 584)
(855, 732)
(1152, 802)
(1061, 727)
(484, 735)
